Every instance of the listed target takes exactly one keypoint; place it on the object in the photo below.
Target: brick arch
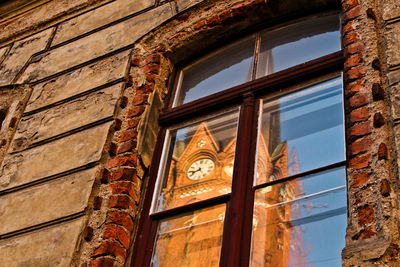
(185, 37)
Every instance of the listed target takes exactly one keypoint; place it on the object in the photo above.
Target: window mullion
(236, 236)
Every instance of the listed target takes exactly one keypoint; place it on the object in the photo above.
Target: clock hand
(199, 169)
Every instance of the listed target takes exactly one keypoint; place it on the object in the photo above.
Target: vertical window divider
(236, 247)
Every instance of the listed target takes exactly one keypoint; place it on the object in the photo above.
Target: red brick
(368, 233)
(128, 146)
(360, 129)
(354, 87)
(154, 58)
(225, 15)
(360, 180)
(136, 111)
(353, 61)
(360, 114)
(121, 202)
(124, 174)
(382, 151)
(128, 135)
(360, 162)
(355, 48)
(102, 262)
(120, 218)
(361, 146)
(183, 17)
(151, 78)
(145, 89)
(214, 20)
(349, 27)
(358, 100)
(355, 73)
(350, 38)
(140, 99)
(110, 248)
(199, 25)
(366, 215)
(151, 68)
(124, 188)
(349, 4)
(129, 160)
(353, 13)
(385, 188)
(133, 123)
(177, 35)
(117, 233)
(159, 48)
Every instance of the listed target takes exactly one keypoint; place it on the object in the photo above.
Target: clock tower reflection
(202, 168)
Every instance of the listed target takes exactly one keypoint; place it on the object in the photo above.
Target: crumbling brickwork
(82, 84)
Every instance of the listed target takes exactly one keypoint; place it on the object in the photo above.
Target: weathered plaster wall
(82, 83)
(63, 71)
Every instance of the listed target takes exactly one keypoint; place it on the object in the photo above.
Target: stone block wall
(63, 72)
(82, 83)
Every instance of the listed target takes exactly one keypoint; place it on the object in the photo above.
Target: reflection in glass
(297, 43)
(301, 222)
(228, 67)
(199, 162)
(301, 131)
(190, 239)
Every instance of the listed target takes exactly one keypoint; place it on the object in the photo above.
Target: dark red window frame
(238, 221)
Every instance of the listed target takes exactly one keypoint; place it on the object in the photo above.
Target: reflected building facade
(203, 168)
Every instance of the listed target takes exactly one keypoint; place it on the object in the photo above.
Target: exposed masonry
(82, 87)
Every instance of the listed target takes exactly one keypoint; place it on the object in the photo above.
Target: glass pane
(199, 162)
(301, 222)
(301, 131)
(228, 67)
(298, 43)
(190, 240)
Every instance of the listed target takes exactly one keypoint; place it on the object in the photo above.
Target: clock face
(200, 168)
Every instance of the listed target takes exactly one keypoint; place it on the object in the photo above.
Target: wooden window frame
(235, 249)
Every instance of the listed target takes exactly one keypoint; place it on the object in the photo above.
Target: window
(249, 169)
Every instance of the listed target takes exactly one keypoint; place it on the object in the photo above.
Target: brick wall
(82, 84)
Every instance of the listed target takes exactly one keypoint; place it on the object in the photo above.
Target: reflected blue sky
(311, 122)
(324, 218)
